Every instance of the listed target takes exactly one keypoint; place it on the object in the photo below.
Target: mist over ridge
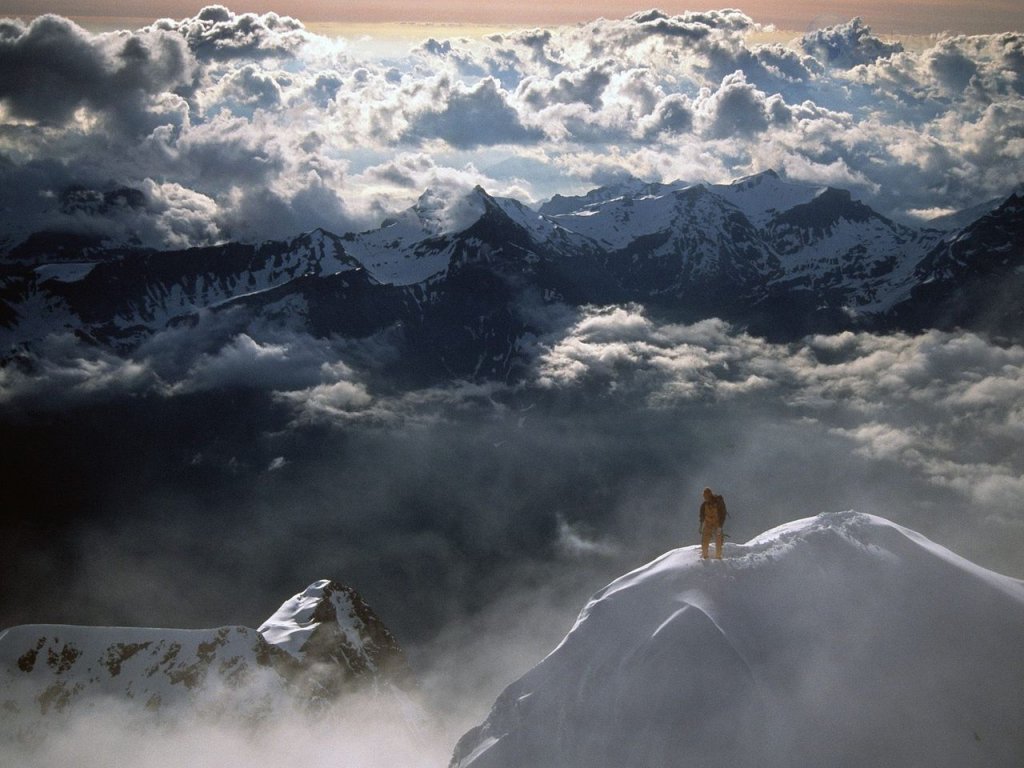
(477, 519)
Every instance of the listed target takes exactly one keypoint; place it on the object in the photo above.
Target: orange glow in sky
(884, 16)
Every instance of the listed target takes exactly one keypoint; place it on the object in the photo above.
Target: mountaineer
(712, 518)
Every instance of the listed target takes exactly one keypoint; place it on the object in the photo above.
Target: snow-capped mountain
(330, 624)
(320, 644)
(840, 640)
(455, 277)
(128, 294)
(762, 249)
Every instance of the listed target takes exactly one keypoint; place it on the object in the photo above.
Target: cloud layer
(249, 126)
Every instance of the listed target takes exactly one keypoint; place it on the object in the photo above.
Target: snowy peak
(967, 216)
(135, 292)
(867, 538)
(843, 624)
(419, 244)
(330, 621)
(617, 222)
(764, 196)
(747, 211)
(780, 258)
(404, 250)
(824, 211)
(442, 212)
(1000, 224)
(539, 227)
(760, 197)
(321, 252)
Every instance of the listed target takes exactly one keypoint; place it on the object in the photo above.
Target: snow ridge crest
(825, 625)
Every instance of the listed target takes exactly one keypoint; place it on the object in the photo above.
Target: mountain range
(455, 281)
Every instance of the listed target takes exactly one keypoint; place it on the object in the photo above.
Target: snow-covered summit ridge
(292, 623)
(759, 196)
(764, 195)
(441, 212)
(778, 257)
(418, 243)
(841, 640)
(632, 187)
(822, 539)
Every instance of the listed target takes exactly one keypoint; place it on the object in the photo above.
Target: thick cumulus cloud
(471, 117)
(265, 127)
(847, 45)
(218, 33)
(736, 108)
(52, 68)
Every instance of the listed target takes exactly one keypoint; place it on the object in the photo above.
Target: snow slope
(839, 640)
(615, 221)
(418, 244)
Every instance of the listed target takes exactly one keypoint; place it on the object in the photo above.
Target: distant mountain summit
(839, 640)
(320, 645)
(455, 280)
(336, 639)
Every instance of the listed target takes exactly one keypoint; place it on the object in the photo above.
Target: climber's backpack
(713, 511)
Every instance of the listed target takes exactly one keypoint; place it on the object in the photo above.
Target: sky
(908, 17)
(250, 126)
